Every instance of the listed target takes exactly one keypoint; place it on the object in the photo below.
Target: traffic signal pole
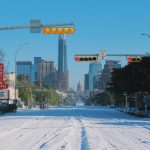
(102, 54)
(38, 26)
(128, 55)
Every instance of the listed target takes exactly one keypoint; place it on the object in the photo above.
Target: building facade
(24, 68)
(106, 74)
(95, 68)
(46, 73)
(10, 79)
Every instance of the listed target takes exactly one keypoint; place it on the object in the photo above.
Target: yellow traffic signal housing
(47, 30)
(86, 58)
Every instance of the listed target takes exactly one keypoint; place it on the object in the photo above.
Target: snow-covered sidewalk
(73, 128)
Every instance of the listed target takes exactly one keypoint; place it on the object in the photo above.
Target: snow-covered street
(73, 128)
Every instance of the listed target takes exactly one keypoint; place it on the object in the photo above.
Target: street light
(17, 50)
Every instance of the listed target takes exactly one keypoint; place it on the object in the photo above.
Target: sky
(111, 25)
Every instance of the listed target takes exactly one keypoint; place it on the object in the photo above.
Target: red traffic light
(86, 58)
(129, 59)
(134, 59)
(77, 58)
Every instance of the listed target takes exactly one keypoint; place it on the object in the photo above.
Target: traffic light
(47, 30)
(86, 58)
(133, 59)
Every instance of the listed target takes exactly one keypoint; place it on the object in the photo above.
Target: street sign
(102, 54)
(33, 28)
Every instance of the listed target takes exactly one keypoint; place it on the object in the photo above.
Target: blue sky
(112, 25)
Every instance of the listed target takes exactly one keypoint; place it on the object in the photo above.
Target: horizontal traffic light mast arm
(67, 25)
(136, 55)
(38, 26)
(87, 55)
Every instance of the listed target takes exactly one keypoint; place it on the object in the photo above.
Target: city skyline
(39, 71)
(115, 26)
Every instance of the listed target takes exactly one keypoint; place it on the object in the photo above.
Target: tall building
(46, 73)
(95, 69)
(63, 73)
(24, 68)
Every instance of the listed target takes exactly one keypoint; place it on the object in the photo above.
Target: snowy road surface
(73, 128)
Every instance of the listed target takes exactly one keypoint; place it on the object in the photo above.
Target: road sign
(102, 54)
(33, 24)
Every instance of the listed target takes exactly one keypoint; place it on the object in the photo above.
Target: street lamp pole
(20, 47)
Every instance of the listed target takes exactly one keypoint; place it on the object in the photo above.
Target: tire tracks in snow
(84, 139)
(90, 124)
(42, 142)
(15, 129)
(8, 137)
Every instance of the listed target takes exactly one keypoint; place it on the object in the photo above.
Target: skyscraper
(63, 73)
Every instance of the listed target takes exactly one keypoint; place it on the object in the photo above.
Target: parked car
(5, 107)
(1, 109)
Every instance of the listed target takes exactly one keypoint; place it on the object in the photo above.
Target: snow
(73, 128)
